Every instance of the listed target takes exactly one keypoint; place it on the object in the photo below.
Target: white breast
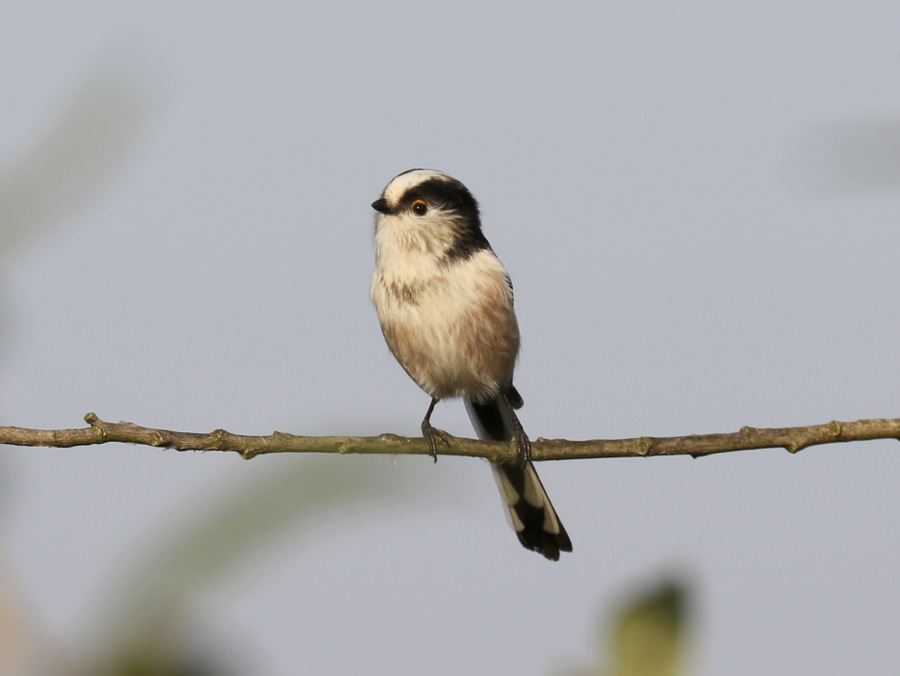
(450, 325)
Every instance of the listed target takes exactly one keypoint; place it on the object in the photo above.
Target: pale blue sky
(674, 193)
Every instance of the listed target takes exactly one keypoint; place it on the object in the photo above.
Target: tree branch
(792, 439)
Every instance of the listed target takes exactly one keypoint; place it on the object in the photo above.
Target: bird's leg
(523, 443)
(430, 433)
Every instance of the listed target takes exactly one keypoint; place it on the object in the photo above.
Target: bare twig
(792, 439)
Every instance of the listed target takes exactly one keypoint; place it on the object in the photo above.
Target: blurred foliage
(81, 149)
(148, 612)
(77, 155)
(648, 634)
(146, 626)
(145, 666)
(648, 639)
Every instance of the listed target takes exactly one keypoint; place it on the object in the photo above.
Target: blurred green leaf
(158, 666)
(649, 635)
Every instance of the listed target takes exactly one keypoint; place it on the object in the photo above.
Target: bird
(445, 305)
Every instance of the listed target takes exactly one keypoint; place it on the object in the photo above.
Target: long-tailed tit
(445, 303)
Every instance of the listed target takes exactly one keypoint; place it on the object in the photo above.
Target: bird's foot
(523, 446)
(432, 434)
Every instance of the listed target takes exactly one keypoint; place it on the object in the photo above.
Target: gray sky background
(698, 205)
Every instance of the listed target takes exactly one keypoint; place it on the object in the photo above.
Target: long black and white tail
(531, 513)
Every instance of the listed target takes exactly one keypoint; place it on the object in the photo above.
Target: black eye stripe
(451, 199)
(448, 195)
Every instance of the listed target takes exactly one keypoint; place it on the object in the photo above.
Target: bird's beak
(380, 205)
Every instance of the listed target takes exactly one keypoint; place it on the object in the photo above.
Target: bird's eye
(420, 207)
